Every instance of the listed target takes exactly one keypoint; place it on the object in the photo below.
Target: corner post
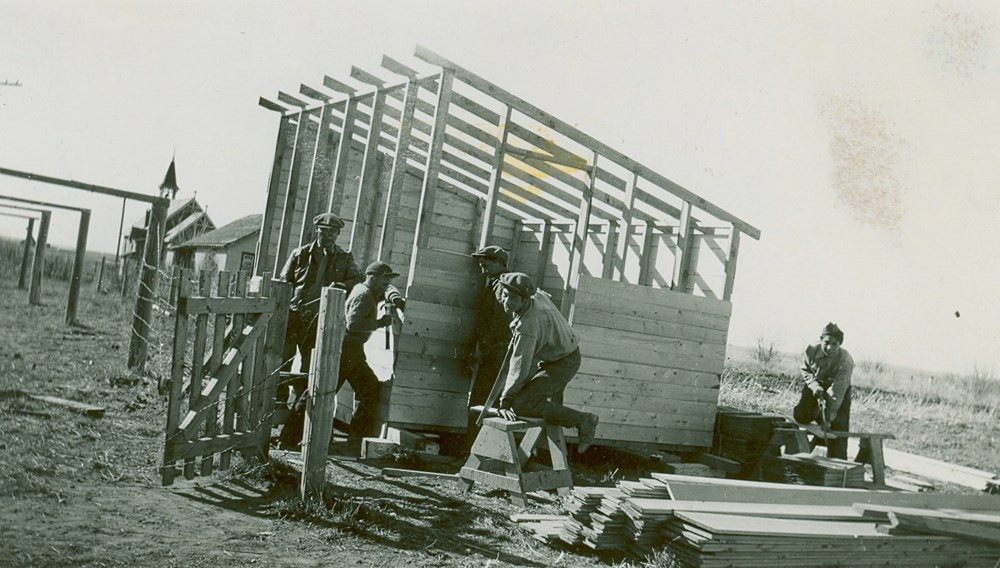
(322, 402)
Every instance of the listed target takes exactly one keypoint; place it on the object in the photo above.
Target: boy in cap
(544, 358)
(826, 374)
(491, 329)
(361, 311)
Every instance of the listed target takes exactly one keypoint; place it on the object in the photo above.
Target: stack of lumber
(545, 528)
(743, 436)
(707, 521)
(712, 539)
(694, 469)
(808, 469)
(581, 502)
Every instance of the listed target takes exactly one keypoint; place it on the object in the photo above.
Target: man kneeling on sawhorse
(542, 358)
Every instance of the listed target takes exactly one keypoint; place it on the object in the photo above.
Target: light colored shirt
(540, 333)
(832, 372)
(361, 311)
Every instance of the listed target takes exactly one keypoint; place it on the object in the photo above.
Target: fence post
(26, 257)
(138, 350)
(35, 288)
(273, 352)
(100, 277)
(76, 280)
(321, 402)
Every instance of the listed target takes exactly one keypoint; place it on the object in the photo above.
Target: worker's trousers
(354, 370)
(548, 382)
(807, 410)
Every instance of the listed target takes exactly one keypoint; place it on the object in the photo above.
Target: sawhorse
(870, 440)
(497, 442)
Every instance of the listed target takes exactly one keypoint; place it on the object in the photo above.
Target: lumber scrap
(78, 407)
(929, 524)
(400, 472)
(938, 470)
(738, 491)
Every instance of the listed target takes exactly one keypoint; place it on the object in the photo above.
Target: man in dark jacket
(491, 330)
(309, 269)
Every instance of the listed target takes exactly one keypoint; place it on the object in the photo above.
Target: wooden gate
(223, 379)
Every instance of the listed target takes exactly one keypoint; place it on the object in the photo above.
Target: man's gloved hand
(384, 320)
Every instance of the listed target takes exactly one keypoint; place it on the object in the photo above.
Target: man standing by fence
(309, 269)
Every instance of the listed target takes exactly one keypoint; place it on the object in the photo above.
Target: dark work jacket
(492, 323)
(300, 272)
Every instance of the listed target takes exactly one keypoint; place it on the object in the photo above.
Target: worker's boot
(586, 431)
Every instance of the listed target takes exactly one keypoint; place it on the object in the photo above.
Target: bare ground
(80, 491)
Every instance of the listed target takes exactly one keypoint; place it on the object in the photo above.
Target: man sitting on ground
(544, 357)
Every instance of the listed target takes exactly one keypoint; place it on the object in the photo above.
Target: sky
(859, 137)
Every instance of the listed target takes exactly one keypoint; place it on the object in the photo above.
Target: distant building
(230, 247)
(186, 219)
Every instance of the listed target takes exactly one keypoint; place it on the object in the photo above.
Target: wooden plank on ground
(944, 527)
(713, 489)
(79, 407)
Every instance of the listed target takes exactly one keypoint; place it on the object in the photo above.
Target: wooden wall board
(669, 399)
(433, 381)
(654, 434)
(636, 371)
(666, 298)
(702, 363)
(660, 412)
(674, 329)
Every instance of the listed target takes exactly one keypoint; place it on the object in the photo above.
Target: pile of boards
(710, 522)
(810, 469)
(743, 436)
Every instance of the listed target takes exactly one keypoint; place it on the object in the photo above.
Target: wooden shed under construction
(427, 166)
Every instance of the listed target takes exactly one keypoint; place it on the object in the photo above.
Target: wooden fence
(224, 375)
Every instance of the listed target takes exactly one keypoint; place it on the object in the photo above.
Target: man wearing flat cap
(544, 357)
(309, 269)
(826, 374)
(361, 311)
(491, 328)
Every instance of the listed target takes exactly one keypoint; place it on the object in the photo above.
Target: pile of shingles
(718, 522)
(809, 469)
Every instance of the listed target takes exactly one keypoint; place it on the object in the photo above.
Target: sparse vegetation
(765, 351)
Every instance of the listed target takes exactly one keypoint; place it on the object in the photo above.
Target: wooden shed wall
(504, 172)
(652, 360)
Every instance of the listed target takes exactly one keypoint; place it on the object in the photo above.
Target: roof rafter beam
(564, 128)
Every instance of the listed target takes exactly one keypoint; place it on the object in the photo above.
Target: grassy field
(86, 491)
(950, 417)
